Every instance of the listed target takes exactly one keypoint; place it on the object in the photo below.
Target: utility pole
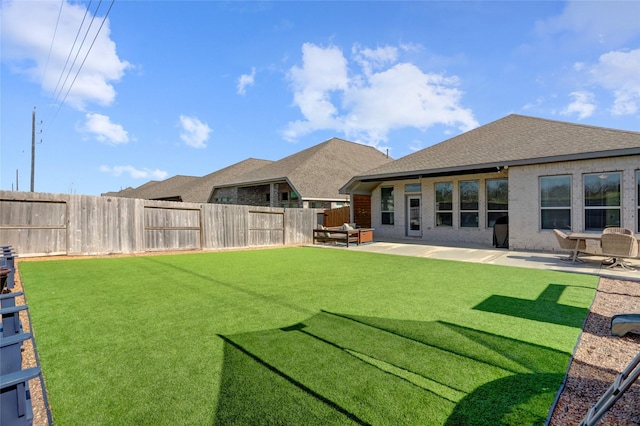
(33, 146)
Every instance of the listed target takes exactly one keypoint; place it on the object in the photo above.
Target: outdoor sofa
(347, 233)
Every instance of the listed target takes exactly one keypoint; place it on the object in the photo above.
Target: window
(469, 204)
(285, 196)
(497, 200)
(224, 200)
(555, 202)
(444, 204)
(601, 201)
(638, 198)
(268, 197)
(413, 187)
(294, 195)
(386, 208)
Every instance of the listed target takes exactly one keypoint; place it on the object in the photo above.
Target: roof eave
(252, 183)
(256, 183)
(356, 181)
(346, 198)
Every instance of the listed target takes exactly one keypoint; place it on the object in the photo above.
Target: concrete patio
(495, 256)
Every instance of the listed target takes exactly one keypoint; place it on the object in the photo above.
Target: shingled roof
(512, 140)
(189, 188)
(317, 172)
(129, 192)
(199, 190)
(156, 190)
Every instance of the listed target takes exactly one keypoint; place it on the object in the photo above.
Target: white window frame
(467, 211)
(549, 208)
(638, 199)
(390, 211)
(489, 211)
(603, 207)
(437, 204)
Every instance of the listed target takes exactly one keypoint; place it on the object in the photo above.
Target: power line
(55, 91)
(80, 48)
(85, 56)
(44, 74)
(89, 50)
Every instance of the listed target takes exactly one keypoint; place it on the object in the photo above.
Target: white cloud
(387, 95)
(134, 173)
(619, 72)
(323, 69)
(323, 72)
(371, 59)
(194, 132)
(607, 23)
(583, 104)
(246, 80)
(104, 130)
(28, 27)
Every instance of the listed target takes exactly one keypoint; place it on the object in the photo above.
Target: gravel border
(600, 357)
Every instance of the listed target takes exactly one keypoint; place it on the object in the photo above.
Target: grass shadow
(494, 404)
(544, 309)
(254, 392)
(340, 369)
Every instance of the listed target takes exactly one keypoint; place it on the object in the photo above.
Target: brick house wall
(524, 198)
(254, 195)
(524, 203)
(430, 232)
(225, 196)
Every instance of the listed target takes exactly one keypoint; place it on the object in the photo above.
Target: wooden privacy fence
(69, 224)
(336, 217)
(361, 207)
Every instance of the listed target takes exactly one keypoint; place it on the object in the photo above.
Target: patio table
(581, 236)
(584, 236)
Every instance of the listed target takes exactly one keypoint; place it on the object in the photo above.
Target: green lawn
(302, 336)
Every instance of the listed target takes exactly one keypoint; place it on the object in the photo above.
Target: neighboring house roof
(120, 193)
(189, 188)
(317, 172)
(166, 189)
(510, 141)
(129, 192)
(200, 190)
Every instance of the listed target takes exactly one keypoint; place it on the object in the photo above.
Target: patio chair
(619, 247)
(614, 230)
(566, 244)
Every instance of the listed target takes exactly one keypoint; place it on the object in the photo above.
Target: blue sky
(186, 88)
